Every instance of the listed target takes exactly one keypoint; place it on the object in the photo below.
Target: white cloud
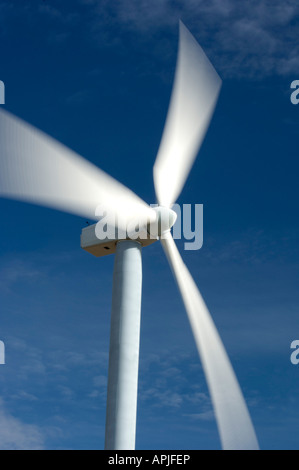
(164, 383)
(205, 416)
(16, 270)
(243, 39)
(251, 39)
(17, 435)
(253, 247)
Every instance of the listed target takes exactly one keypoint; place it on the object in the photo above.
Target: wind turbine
(37, 169)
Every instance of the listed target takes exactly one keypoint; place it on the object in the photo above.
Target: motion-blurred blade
(233, 420)
(37, 169)
(194, 96)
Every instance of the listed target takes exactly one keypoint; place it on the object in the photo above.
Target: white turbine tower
(37, 169)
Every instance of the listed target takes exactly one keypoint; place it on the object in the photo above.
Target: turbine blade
(232, 416)
(38, 169)
(194, 96)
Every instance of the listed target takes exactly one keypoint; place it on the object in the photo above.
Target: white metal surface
(231, 413)
(124, 347)
(36, 168)
(90, 242)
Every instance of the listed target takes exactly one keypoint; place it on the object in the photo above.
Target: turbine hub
(164, 221)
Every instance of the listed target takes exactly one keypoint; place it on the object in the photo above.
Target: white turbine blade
(37, 169)
(194, 96)
(233, 420)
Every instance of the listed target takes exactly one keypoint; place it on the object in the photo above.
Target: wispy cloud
(253, 247)
(38, 390)
(80, 97)
(251, 39)
(163, 383)
(70, 17)
(17, 435)
(15, 270)
(205, 416)
(244, 39)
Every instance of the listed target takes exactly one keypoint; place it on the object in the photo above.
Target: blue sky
(97, 76)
